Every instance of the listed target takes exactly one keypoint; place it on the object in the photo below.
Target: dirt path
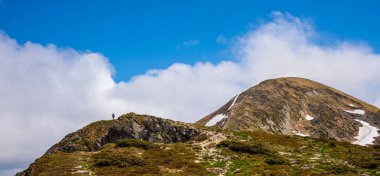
(209, 150)
(214, 138)
(80, 170)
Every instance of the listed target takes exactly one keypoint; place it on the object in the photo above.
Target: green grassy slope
(218, 153)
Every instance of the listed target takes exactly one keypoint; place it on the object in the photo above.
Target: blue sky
(140, 35)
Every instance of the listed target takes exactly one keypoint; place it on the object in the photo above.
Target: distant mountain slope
(297, 106)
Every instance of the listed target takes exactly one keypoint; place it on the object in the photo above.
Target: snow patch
(216, 119)
(308, 117)
(352, 105)
(233, 102)
(356, 111)
(366, 135)
(299, 133)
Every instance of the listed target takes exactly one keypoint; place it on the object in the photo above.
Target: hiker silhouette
(113, 116)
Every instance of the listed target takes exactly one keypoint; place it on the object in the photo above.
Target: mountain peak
(298, 106)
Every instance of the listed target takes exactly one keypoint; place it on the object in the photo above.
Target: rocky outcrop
(134, 126)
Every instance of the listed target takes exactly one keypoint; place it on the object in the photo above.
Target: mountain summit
(297, 106)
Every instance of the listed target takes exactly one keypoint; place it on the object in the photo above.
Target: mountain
(297, 106)
(262, 131)
(145, 145)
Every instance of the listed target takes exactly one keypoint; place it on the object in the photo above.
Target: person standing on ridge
(113, 116)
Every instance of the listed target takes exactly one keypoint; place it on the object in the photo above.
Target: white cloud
(286, 47)
(47, 92)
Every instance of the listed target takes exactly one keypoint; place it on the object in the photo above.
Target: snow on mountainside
(366, 135)
(299, 133)
(356, 111)
(308, 117)
(216, 119)
(233, 103)
(221, 117)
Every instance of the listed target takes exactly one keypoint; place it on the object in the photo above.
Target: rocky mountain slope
(296, 106)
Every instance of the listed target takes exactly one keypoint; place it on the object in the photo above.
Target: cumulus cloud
(287, 47)
(47, 91)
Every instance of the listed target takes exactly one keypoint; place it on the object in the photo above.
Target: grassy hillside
(218, 153)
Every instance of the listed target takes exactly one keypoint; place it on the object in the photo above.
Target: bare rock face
(133, 126)
(150, 129)
(296, 106)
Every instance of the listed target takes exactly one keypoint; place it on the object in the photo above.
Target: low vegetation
(135, 143)
(244, 147)
(136, 157)
(116, 159)
(243, 153)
